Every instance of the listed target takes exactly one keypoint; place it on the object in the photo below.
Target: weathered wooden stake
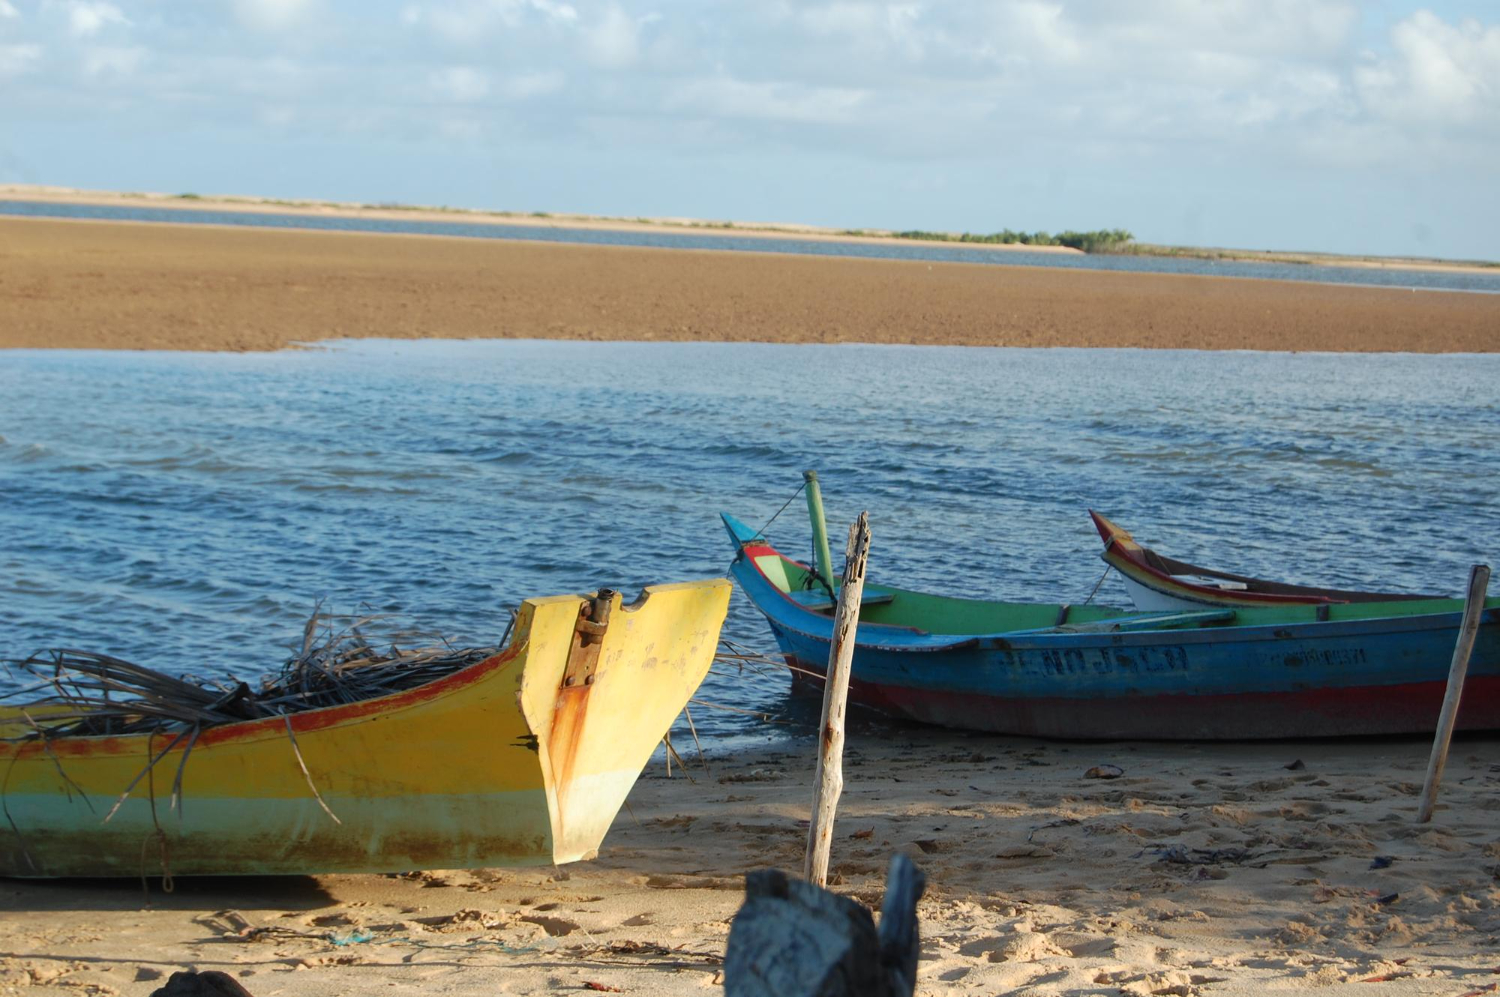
(1479, 581)
(830, 772)
(822, 557)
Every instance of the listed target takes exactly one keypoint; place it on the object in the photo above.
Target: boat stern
(603, 683)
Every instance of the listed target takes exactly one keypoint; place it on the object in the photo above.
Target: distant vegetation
(1117, 241)
(1102, 241)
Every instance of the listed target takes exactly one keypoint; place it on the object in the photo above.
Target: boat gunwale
(305, 721)
(1172, 586)
(1030, 639)
(323, 718)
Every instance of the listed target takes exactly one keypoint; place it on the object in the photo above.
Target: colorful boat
(1158, 582)
(523, 758)
(1089, 672)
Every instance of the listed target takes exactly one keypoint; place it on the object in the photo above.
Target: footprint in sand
(1081, 945)
(554, 926)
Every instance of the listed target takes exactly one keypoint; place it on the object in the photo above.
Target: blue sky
(1366, 127)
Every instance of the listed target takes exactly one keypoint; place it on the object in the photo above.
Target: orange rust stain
(569, 718)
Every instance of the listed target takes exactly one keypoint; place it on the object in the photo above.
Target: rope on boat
(735, 653)
(156, 835)
(1107, 569)
(303, 766)
(688, 712)
(763, 529)
(760, 715)
(232, 926)
(671, 754)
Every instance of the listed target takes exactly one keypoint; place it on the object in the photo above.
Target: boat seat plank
(817, 600)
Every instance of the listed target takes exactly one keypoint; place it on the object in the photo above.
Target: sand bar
(468, 216)
(694, 226)
(121, 285)
(1204, 869)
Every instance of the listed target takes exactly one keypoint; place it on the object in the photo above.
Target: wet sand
(120, 285)
(1203, 869)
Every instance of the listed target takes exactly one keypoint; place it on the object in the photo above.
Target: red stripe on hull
(1361, 711)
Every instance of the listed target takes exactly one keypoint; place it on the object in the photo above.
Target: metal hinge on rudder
(588, 637)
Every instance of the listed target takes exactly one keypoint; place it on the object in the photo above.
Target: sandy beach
(1229, 869)
(117, 285)
(1202, 869)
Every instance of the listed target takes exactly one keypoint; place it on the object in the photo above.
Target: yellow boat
(523, 758)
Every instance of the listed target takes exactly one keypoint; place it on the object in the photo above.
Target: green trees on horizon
(1100, 241)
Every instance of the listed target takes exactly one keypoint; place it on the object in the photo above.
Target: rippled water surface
(669, 239)
(185, 510)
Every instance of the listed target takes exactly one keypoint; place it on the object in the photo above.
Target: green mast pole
(819, 528)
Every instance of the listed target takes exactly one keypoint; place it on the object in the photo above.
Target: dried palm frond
(341, 660)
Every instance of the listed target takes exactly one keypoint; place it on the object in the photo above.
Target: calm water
(185, 510)
(1431, 280)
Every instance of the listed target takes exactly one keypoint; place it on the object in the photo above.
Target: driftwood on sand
(829, 778)
(794, 939)
(1479, 581)
(191, 983)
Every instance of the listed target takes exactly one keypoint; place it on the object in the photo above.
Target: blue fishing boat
(1092, 672)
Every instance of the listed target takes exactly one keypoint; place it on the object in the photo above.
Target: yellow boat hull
(523, 758)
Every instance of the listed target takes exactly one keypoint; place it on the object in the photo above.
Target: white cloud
(459, 129)
(86, 19)
(271, 15)
(863, 32)
(276, 116)
(1272, 29)
(462, 84)
(456, 24)
(771, 102)
(529, 85)
(1042, 30)
(18, 59)
(1187, 42)
(112, 60)
(554, 11)
(1198, 87)
(474, 22)
(614, 40)
(1437, 73)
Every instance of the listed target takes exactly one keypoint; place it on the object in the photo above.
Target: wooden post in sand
(1479, 581)
(830, 772)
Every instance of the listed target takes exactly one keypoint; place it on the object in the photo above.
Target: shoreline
(1311, 259)
(516, 219)
(85, 284)
(764, 230)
